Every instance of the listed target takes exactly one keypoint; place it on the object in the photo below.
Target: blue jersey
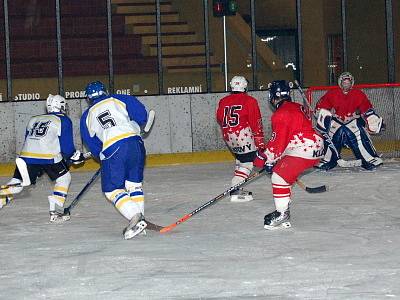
(110, 120)
(48, 138)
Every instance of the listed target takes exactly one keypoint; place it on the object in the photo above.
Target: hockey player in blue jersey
(111, 128)
(47, 147)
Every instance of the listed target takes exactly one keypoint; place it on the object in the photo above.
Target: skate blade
(240, 199)
(138, 228)
(284, 225)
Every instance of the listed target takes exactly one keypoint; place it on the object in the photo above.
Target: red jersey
(293, 134)
(240, 119)
(346, 106)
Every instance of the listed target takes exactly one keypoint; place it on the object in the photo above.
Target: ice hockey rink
(344, 243)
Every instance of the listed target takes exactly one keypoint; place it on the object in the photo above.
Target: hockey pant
(354, 136)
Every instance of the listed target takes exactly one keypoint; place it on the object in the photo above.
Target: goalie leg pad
(361, 145)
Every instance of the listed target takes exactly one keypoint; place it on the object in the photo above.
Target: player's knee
(133, 186)
(278, 180)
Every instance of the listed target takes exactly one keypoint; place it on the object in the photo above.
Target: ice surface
(344, 244)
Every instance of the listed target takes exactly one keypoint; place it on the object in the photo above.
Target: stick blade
(317, 189)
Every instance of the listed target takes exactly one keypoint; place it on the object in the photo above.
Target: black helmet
(279, 91)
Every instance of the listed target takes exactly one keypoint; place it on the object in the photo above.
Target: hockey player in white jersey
(48, 145)
(111, 128)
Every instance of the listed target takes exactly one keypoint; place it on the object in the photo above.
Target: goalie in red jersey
(239, 116)
(294, 147)
(348, 118)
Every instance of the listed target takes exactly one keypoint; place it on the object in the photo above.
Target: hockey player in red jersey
(294, 147)
(352, 118)
(239, 116)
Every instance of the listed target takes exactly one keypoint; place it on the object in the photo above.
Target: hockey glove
(260, 162)
(374, 122)
(77, 158)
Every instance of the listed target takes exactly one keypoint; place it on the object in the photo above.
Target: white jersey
(109, 121)
(42, 142)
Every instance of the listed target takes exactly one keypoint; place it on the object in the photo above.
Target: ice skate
(276, 220)
(241, 196)
(58, 218)
(136, 226)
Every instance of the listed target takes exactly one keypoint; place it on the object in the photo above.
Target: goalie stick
(341, 162)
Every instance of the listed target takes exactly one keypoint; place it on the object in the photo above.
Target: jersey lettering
(231, 116)
(106, 120)
(39, 129)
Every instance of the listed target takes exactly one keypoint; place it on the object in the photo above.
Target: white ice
(344, 244)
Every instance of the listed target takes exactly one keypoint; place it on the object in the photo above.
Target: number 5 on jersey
(106, 120)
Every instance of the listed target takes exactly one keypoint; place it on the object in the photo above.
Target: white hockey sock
(242, 172)
(135, 191)
(60, 191)
(123, 203)
(281, 192)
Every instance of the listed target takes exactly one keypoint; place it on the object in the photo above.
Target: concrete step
(170, 37)
(150, 17)
(136, 1)
(141, 28)
(193, 68)
(141, 8)
(178, 48)
(186, 59)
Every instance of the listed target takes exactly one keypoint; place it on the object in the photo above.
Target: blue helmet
(95, 89)
(279, 91)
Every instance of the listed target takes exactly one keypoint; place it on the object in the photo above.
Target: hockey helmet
(238, 84)
(56, 103)
(95, 89)
(346, 81)
(279, 91)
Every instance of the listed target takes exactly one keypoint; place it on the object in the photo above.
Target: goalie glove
(77, 158)
(324, 119)
(374, 122)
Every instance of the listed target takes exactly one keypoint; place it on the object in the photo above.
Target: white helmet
(56, 103)
(238, 84)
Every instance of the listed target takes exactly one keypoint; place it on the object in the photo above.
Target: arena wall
(184, 123)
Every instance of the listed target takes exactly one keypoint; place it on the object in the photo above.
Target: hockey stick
(311, 190)
(67, 210)
(212, 201)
